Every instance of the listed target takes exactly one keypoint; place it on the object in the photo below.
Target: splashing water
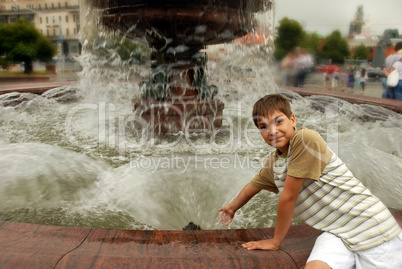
(82, 160)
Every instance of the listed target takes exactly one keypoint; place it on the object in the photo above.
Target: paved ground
(67, 75)
(373, 88)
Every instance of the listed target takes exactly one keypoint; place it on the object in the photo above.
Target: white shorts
(331, 250)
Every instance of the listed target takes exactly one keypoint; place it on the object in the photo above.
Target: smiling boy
(359, 231)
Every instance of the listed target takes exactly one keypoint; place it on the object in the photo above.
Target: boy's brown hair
(270, 103)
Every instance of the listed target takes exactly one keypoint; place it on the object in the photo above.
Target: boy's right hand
(226, 216)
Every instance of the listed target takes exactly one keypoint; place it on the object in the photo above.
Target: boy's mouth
(276, 139)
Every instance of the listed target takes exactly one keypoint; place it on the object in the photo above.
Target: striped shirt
(334, 201)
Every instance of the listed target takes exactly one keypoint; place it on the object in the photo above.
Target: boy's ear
(293, 119)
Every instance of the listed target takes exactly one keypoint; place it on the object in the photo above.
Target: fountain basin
(40, 246)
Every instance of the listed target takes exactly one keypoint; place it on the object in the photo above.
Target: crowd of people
(298, 63)
(346, 79)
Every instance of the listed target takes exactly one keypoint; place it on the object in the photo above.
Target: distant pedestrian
(398, 89)
(363, 76)
(302, 64)
(351, 80)
(287, 69)
(357, 76)
(344, 79)
(335, 80)
(389, 62)
(325, 80)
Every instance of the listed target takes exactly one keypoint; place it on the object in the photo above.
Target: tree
(311, 42)
(22, 42)
(335, 48)
(290, 34)
(361, 53)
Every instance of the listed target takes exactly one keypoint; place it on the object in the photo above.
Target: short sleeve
(309, 155)
(265, 178)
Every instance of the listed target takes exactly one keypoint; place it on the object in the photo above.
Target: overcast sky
(325, 16)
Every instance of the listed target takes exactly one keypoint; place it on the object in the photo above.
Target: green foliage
(290, 34)
(22, 42)
(361, 53)
(21, 53)
(311, 42)
(4, 63)
(336, 48)
(45, 50)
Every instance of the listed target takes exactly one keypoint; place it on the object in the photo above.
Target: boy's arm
(242, 198)
(286, 205)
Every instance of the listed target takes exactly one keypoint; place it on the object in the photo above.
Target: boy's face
(277, 129)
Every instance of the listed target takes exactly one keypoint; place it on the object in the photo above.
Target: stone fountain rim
(43, 246)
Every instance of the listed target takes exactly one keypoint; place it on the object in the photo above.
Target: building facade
(59, 20)
(379, 46)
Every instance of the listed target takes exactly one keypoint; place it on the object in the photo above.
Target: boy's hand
(262, 244)
(226, 216)
(228, 211)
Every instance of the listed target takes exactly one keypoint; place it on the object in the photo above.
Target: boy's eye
(263, 127)
(278, 121)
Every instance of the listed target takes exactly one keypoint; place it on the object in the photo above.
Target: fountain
(177, 96)
(116, 194)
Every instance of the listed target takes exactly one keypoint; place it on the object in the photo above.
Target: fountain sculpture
(177, 96)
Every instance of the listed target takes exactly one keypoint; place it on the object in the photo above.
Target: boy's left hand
(262, 244)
